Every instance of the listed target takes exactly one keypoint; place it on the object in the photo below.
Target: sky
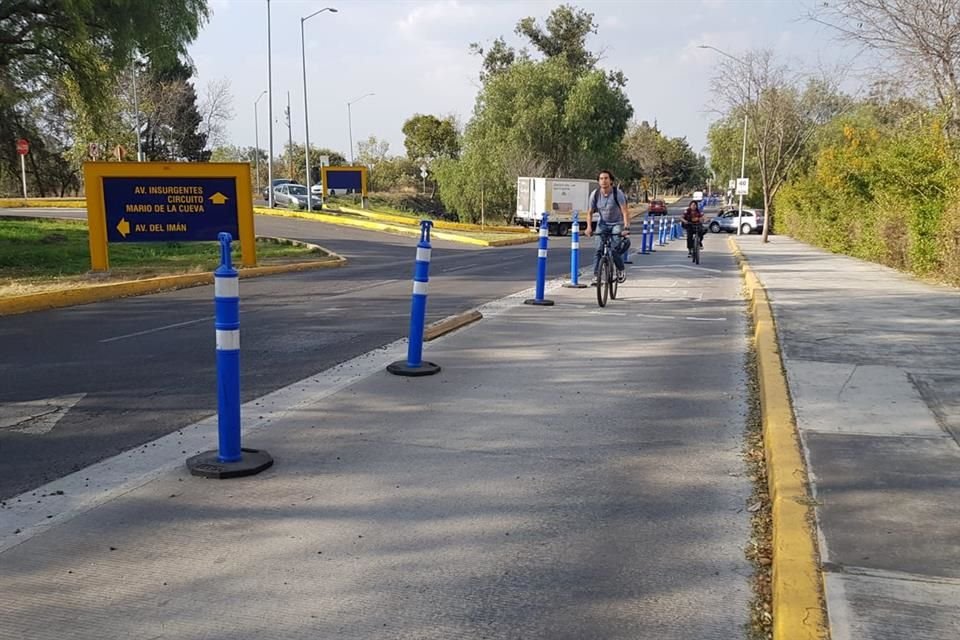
(414, 57)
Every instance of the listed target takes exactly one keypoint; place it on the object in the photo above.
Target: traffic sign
(93, 150)
(23, 146)
(743, 186)
(698, 195)
(732, 185)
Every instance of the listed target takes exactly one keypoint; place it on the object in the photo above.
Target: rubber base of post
(208, 465)
(570, 285)
(401, 368)
(539, 303)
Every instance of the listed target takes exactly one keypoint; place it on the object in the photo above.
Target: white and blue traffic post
(414, 365)
(575, 255)
(539, 300)
(230, 460)
(662, 231)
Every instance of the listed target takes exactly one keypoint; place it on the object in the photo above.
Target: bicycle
(694, 233)
(607, 277)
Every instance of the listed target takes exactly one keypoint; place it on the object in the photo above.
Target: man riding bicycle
(690, 217)
(609, 204)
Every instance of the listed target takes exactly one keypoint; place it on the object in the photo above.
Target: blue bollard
(414, 365)
(230, 460)
(645, 234)
(541, 266)
(575, 255)
(653, 235)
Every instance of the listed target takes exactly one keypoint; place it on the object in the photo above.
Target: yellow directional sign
(123, 227)
(218, 198)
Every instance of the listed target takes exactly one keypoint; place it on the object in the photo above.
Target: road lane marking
(156, 329)
(466, 266)
(37, 417)
(687, 266)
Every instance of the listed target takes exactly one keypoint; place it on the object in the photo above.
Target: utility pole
(269, 111)
(290, 137)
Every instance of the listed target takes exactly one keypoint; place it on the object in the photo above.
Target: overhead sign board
(743, 186)
(167, 202)
(347, 178)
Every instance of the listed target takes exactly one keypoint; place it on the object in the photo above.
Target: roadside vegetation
(42, 255)
(875, 176)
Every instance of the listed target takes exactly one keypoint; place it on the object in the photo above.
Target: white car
(751, 221)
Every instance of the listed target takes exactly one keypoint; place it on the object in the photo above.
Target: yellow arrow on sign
(218, 198)
(123, 227)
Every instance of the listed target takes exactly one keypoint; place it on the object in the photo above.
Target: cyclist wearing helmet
(609, 204)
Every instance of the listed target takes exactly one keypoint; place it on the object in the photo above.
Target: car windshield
(297, 190)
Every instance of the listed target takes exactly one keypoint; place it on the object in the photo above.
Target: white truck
(559, 197)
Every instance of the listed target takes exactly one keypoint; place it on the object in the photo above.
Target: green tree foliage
(660, 163)
(880, 190)
(428, 137)
(172, 120)
(558, 116)
(72, 52)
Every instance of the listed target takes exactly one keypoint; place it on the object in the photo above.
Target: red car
(657, 208)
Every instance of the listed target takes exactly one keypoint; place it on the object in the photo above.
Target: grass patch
(43, 255)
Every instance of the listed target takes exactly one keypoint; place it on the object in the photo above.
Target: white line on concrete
(687, 266)
(156, 329)
(705, 319)
(461, 268)
(608, 313)
(655, 317)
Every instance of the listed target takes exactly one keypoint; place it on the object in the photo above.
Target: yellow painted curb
(45, 203)
(114, 290)
(389, 228)
(445, 326)
(437, 224)
(797, 589)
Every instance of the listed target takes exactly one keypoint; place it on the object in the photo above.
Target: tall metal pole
(136, 105)
(256, 139)
(350, 128)
(289, 136)
(743, 160)
(269, 112)
(306, 109)
(350, 121)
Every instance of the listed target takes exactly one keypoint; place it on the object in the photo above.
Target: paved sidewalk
(872, 357)
(560, 479)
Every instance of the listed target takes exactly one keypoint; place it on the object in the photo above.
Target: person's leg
(617, 248)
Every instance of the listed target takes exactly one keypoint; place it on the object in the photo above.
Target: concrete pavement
(561, 478)
(872, 357)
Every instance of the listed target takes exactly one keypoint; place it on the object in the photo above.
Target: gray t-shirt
(608, 205)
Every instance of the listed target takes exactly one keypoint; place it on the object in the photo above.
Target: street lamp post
(743, 148)
(306, 110)
(256, 139)
(269, 113)
(350, 121)
(136, 105)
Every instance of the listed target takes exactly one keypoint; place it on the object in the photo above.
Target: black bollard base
(401, 368)
(539, 303)
(208, 465)
(570, 285)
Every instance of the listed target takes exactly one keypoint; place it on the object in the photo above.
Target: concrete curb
(797, 588)
(445, 326)
(437, 224)
(112, 291)
(390, 228)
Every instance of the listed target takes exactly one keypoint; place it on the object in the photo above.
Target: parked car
(294, 195)
(276, 183)
(751, 222)
(657, 208)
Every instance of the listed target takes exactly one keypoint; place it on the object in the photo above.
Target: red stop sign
(23, 146)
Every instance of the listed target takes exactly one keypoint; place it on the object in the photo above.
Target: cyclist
(690, 217)
(609, 204)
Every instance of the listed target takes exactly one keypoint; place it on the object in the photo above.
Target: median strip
(797, 589)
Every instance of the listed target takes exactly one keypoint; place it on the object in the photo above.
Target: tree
(565, 36)
(922, 36)
(172, 120)
(783, 112)
(216, 110)
(77, 49)
(428, 137)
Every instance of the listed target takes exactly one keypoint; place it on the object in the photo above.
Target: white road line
(705, 319)
(609, 313)
(655, 317)
(154, 330)
(466, 266)
(687, 266)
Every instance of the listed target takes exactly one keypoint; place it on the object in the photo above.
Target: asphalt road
(143, 367)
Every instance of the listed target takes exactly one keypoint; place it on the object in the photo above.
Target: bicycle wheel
(614, 281)
(696, 251)
(602, 281)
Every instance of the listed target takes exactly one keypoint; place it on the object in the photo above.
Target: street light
(306, 110)
(350, 121)
(136, 101)
(743, 148)
(269, 112)
(256, 138)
